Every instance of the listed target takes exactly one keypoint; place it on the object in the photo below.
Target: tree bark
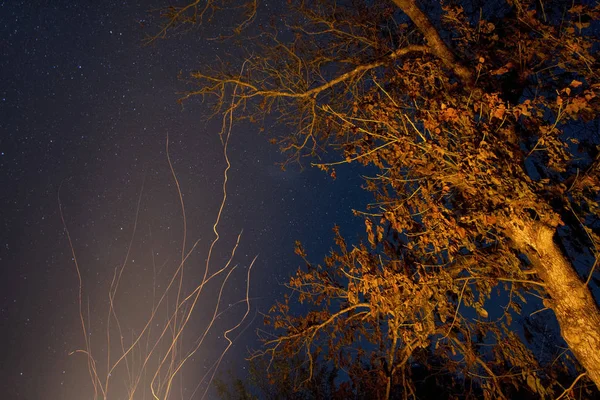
(434, 41)
(571, 300)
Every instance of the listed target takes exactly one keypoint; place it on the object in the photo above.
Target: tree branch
(315, 91)
(435, 42)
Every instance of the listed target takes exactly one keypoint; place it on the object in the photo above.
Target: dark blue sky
(84, 105)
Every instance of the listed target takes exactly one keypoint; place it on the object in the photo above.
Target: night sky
(86, 108)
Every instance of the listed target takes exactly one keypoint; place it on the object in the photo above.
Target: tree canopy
(481, 121)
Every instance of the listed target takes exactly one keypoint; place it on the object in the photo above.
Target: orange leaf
(575, 83)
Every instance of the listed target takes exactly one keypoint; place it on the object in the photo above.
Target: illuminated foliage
(482, 122)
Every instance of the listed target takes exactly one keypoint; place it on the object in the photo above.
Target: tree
(482, 120)
(280, 379)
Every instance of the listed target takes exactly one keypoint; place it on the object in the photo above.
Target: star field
(85, 111)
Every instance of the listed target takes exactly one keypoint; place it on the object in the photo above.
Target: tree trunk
(571, 300)
(577, 312)
(434, 41)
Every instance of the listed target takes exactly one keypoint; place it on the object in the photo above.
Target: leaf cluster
(475, 122)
